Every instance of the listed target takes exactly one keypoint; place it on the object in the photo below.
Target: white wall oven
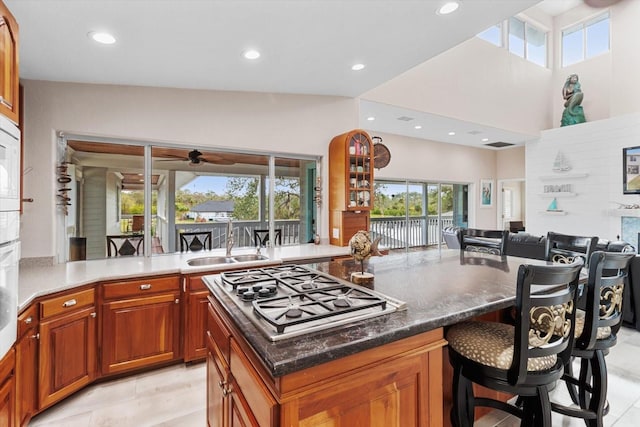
(9, 232)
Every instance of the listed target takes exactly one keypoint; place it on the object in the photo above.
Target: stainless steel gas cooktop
(290, 300)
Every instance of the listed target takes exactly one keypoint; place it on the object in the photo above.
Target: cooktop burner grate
(290, 300)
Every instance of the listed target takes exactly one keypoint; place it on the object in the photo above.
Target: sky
(202, 184)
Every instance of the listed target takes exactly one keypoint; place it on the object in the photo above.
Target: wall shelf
(561, 176)
(623, 212)
(558, 194)
(553, 212)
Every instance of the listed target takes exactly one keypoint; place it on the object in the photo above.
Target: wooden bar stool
(526, 359)
(596, 332)
(564, 248)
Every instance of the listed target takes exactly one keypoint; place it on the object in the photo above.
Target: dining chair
(195, 240)
(261, 237)
(489, 241)
(596, 332)
(125, 245)
(564, 248)
(525, 359)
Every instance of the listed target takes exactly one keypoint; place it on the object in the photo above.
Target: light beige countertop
(39, 281)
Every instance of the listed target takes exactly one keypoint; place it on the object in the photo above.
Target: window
(527, 41)
(493, 35)
(507, 207)
(585, 40)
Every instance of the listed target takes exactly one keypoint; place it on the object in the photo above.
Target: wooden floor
(176, 397)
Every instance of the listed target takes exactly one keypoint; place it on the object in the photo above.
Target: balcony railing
(397, 232)
(242, 232)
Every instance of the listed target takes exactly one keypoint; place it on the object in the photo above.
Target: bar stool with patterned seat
(526, 359)
(564, 248)
(596, 333)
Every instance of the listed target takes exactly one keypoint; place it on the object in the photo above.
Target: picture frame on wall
(486, 193)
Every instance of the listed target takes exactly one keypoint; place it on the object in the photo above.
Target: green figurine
(572, 94)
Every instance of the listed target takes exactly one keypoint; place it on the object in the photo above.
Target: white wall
(417, 159)
(481, 83)
(594, 148)
(266, 122)
(477, 82)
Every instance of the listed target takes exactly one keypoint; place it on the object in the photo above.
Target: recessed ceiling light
(417, 127)
(448, 7)
(251, 54)
(485, 139)
(371, 118)
(451, 133)
(358, 67)
(101, 37)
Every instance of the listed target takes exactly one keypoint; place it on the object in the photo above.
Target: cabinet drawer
(67, 302)
(27, 319)
(136, 288)
(196, 283)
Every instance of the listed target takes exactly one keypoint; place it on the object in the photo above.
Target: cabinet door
(27, 365)
(27, 377)
(217, 387)
(251, 401)
(9, 78)
(139, 332)
(195, 320)
(67, 353)
(399, 393)
(7, 390)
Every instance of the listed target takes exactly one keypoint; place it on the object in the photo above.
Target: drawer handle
(70, 303)
(93, 314)
(28, 320)
(145, 287)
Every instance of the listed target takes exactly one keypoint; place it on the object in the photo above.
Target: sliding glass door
(411, 214)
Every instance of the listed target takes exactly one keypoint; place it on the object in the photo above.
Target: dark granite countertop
(440, 289)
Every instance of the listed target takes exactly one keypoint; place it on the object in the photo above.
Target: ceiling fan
(601, 3)
(196, 158)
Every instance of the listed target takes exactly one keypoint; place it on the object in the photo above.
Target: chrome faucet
(229, 237)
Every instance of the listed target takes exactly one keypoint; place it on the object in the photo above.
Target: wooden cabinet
(67, 348)
(195, 318)
(345, 224)
(398, 384)
(350, 185)
(235, 394)
(7, 389)
(140, 323)
(351, 172)
(27, 365)
(218, 340)
(9, 72)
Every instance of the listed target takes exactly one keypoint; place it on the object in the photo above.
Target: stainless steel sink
(217, 260)
(249, 257)
(210, 260)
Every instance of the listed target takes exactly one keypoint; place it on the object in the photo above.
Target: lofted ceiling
(307, 46)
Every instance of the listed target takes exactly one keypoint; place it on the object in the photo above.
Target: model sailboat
(561, 163)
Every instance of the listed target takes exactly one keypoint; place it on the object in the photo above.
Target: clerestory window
(586, 40)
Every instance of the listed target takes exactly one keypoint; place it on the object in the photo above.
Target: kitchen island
(381, 371)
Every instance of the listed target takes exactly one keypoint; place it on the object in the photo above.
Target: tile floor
(176, 396)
